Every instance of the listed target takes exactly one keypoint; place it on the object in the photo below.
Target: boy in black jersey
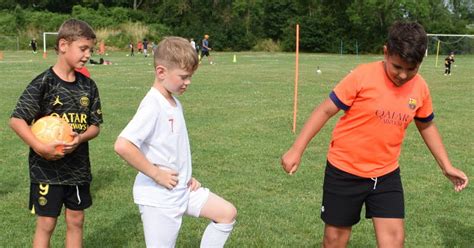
(447, 64)
(61, 177)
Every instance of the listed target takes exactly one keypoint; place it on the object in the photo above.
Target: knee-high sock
(216, 235)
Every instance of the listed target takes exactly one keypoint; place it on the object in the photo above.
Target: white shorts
(161, 225)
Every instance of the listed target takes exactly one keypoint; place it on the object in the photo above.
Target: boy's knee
(336, 236)
(229, 214)
(393, 239)
(232, 213)
(75, 219)
(46, 227)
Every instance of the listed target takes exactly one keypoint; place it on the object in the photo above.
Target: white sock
(216, 235)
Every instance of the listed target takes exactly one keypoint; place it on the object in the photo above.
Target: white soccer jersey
(158, 129)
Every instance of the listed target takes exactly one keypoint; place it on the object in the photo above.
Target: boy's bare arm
(91, 132)
(291, 159)
(432, 138)
(23, 130)
(134, 157)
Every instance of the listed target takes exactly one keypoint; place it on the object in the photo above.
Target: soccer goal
(450, 43)
(48, 38)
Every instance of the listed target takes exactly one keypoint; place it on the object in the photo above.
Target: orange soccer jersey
(367, 139)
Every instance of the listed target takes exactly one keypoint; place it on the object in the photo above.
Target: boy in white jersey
(155, 142)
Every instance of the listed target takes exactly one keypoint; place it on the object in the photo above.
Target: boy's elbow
(10, 123)
(14, 122)
(120, 146)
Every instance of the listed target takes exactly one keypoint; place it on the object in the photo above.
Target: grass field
(239, 117)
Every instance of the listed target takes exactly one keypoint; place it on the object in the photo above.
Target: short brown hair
(407, 40)
(74, 29)
(176, 52)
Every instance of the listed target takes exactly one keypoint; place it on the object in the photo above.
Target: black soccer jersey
(79, 104)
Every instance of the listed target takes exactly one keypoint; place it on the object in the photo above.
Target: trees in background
(360, 25)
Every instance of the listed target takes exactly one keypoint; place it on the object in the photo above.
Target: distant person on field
(145, 47)
(447, 64)
(156, 143)
(33, 45)
(132, 50)
(379, 100)
(193, 44)
(140, 46)
(61, 177)
(101, 61)
(205, 48)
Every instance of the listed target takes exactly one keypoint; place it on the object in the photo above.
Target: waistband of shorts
(397, 170)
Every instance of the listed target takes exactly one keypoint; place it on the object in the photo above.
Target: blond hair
(73, 29)
(176, 52)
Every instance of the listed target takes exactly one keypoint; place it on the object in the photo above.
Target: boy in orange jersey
(379, 100)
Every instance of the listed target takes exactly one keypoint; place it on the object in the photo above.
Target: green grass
(239, 117)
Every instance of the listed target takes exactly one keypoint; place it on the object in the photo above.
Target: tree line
(242, 24)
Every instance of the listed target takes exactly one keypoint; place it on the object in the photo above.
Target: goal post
(44, 42)
(448, 40)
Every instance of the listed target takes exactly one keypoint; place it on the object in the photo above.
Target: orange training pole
(295, 105)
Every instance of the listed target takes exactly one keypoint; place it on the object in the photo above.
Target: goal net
(442, 45)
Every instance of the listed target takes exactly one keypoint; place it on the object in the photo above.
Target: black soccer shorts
(48, 200)
(344, 194)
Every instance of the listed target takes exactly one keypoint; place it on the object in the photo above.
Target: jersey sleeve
(142, 125)
(425, 112)
(345, 92)
(95, 110)
(29, 104)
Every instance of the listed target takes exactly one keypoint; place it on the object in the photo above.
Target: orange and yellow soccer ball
(49, 129)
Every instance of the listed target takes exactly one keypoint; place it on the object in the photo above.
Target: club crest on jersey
(412, 103)
(42, 201)
(84, 101)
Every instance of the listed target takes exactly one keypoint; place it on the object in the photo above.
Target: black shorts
(48, 200)
(204, 53)
(344, 194)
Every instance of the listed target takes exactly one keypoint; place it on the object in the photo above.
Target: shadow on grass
(456, 233)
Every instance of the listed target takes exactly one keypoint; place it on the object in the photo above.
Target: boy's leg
(389, 232)
(77, 198)
(161, 225)
(44, 229)
(46, 203)
(387, 209)
(218, 210)
(222, 214)
(336, 236)
(74, 225)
